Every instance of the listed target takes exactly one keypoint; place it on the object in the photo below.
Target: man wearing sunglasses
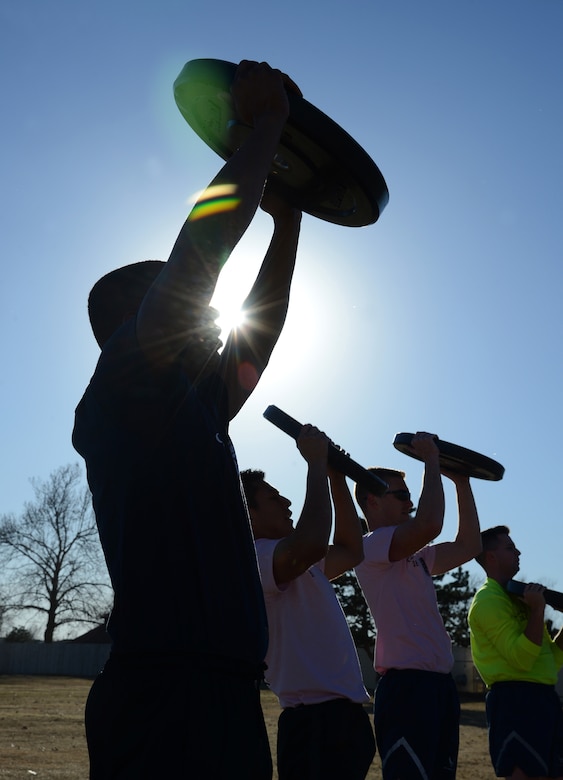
(416, 710)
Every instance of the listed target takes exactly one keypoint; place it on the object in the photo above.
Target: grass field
(42, 731)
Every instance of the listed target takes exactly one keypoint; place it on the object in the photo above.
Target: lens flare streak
(215, 200)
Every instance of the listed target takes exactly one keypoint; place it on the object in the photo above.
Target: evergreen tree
(356, 610)
(454, 597)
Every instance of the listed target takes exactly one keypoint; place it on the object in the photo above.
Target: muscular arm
(427, 523)
(249, 347)
(347, 550)
(178, 300)
(467, 544)
(308, 542)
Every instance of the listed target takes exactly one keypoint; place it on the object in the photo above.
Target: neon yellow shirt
(499, 647)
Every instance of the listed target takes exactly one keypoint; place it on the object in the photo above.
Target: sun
(230, 317)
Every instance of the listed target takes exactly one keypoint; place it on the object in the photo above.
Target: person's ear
(489, 558)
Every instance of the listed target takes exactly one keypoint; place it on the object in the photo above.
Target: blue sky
(443, 316)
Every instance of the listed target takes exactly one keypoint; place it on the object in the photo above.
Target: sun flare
(230, 317)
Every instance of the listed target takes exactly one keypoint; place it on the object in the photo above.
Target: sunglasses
(400, 495)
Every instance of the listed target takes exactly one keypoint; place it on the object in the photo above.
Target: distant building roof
(96, 636)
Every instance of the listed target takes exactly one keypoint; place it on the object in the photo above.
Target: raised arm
(467, 544)
(308, 542)
(176, 305)
(346, 550)
(249, 347)
(427, 522)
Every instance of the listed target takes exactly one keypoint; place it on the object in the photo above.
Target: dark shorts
(328, 741)
(416, 716)
(147, 721)
(525, 729)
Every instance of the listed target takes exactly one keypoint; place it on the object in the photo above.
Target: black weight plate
(456, 458)
(318, 167)
(552, 597)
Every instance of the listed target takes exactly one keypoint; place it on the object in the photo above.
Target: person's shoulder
(128, 387)
(124, 364)
(376, 546)
(265, 548)
(484, 590)
(382, 532)
(491, 587)
(489, 598)
(379, 536)
(265, 544)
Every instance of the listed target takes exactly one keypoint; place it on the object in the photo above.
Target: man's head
(391, 508)
(499, 557)
(118, 295)
(270, 515)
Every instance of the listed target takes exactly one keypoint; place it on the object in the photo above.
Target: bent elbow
(316, 552)
(472, 549)
(435, 528)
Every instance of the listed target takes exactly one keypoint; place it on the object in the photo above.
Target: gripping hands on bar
(337, 458)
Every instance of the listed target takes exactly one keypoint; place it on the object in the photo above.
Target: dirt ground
(42, 731)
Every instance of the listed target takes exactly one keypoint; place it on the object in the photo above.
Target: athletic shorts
(416, 717)
(332, 740)
(525, 729)
(162, 719)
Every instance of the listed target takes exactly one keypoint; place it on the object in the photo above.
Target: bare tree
(53, 564)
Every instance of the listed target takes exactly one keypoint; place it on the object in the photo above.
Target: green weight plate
(318, 167)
